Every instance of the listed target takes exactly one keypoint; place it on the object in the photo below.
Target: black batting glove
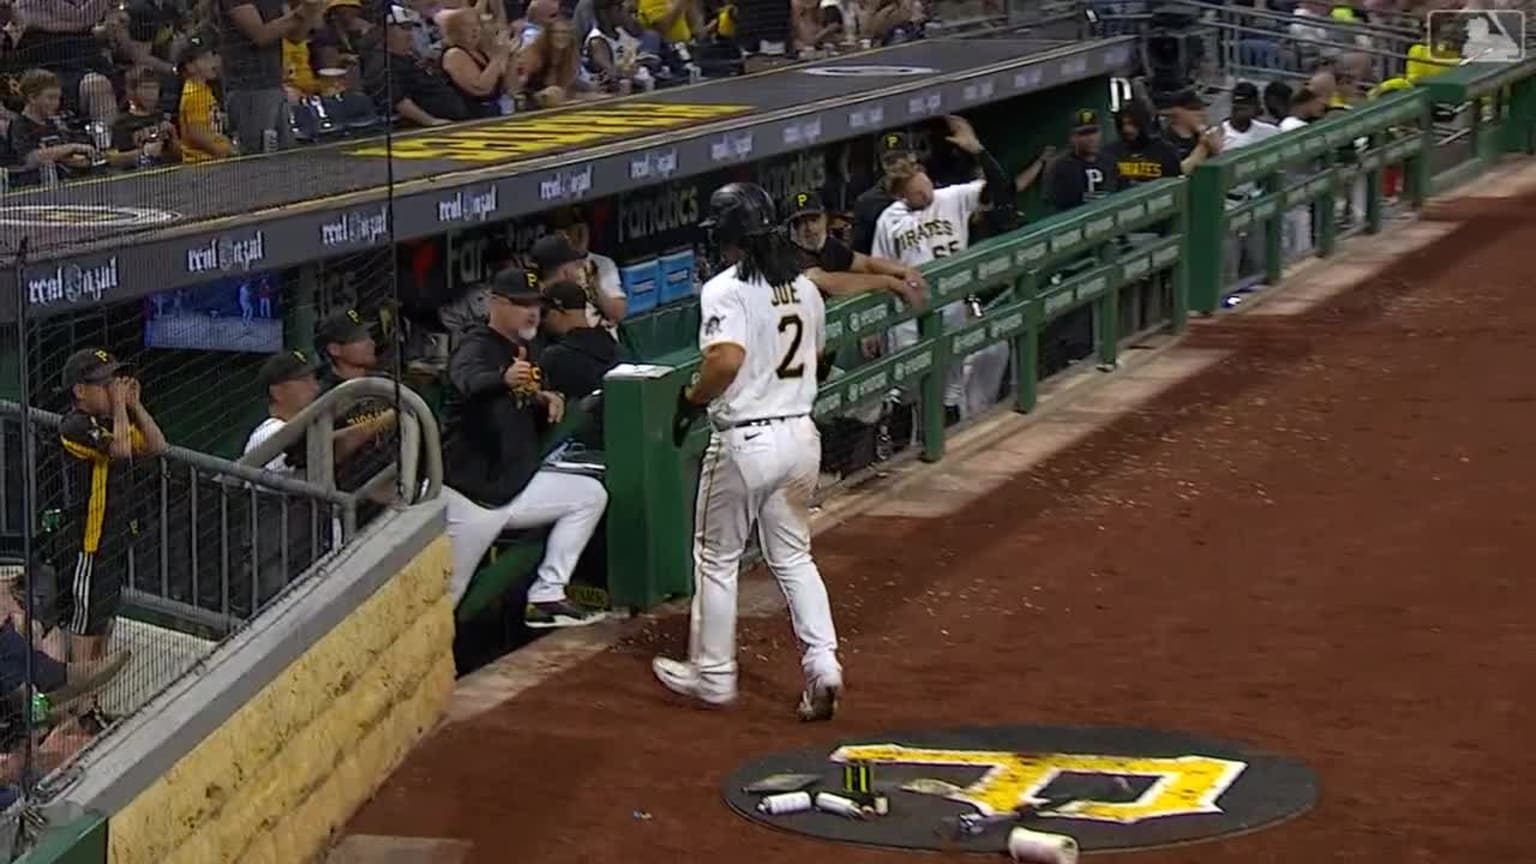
(685, 413)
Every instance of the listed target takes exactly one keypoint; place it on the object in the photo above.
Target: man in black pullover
(494, 414)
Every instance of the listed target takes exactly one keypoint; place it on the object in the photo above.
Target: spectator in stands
(1138, 156)
(201, 120)
(889, 22)
(153, 37)
(105, 433)
(485, 79)
(579, 353)
(549, 71)
(1079, 176)
(493, 416)
(601, 276)
(143, 135)
(616, 48)
(62, 37)
(423, 93)
(675, 21)
(251, 51)
(41, 145)
(818, 24)
(1192, 140)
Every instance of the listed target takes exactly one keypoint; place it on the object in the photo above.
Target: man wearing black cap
(288, 377)
(579, 353)
(890, 148)
(1078, 177)
(345, 344)
(602, 281)
(1187, 131)
(806, 222)
(1137, 156)
(104, 432)
(494, 414)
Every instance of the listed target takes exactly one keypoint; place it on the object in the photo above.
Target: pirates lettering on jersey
(1095, 179)
(1136, 168)
(923, 232)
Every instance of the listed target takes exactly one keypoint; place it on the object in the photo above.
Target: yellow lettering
(526, 135)
(1183, 785)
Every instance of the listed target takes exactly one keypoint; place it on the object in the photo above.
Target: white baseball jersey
(782, 331)
(915, 237)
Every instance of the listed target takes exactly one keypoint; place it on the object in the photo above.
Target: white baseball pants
(570, 503)
(761, 474)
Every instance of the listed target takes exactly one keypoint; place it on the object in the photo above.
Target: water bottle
(146, 160)
(269, 140)
(643, 79)
(40, 706)
(101, 136)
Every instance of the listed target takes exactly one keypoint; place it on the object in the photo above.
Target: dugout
(299, 234)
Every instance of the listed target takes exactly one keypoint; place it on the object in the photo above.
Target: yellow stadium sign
(522, 136)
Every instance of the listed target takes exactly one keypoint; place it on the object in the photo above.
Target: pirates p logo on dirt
(964, 789)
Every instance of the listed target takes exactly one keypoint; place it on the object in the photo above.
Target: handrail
(205, 462)
(315, 423)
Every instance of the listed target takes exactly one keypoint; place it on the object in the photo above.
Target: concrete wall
(265, 752)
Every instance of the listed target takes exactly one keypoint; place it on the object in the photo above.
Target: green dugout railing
(1314, 167)
(652, 482)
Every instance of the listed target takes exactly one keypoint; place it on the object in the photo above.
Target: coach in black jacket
(495, 411)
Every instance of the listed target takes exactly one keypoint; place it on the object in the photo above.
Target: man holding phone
(105, 435)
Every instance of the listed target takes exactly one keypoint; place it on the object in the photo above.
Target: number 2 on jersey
(795, 328)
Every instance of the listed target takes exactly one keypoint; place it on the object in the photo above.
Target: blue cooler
(677, 275)
(642, 284)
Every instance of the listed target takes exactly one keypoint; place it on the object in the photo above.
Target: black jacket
(575, 366)
(490, 436)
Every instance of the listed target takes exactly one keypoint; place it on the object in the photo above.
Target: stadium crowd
(95, 86)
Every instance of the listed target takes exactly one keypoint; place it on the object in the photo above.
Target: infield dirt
(1321, 546)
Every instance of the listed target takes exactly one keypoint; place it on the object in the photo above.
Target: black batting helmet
(739, 210)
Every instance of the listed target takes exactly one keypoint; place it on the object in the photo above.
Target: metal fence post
(1179, 276)
(1026, 346)
(1374, 187)
(930, 327)
(1324, 216)
(1206, 213)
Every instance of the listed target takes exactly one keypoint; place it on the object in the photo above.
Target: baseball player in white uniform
(762, 331)
(925, 224)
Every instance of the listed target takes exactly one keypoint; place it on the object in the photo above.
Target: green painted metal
(652, 482)
(82, 840)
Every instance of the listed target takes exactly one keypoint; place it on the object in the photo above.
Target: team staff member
(1078, 177)
(105, 431)
(1187, 132)
(1306, 106)
(807, 226)
(1138, 156)
(346, 343)
(579, 353)
(556, 259)
(926, 224)
(493, 416)
(1245, 251)
(890, 149)
(602, 277)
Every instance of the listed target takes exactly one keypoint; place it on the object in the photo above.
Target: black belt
(766, 421)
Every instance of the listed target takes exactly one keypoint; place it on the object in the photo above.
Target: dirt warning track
(1322, 546)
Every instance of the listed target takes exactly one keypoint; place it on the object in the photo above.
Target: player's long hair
(769, 256)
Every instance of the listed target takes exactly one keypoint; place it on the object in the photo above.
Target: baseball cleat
(819, 701)
(684, 679)
(558, 613)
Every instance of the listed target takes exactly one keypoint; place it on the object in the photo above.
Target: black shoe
(951, 415)
(558, 613)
